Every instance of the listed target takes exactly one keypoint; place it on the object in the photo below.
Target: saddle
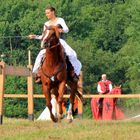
(71, 76)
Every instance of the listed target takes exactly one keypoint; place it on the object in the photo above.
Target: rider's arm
(99, 88)
(33, 36)
(63, 24)
(110, 87)
(38, 37)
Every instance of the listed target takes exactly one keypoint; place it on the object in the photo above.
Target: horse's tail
(79, 95)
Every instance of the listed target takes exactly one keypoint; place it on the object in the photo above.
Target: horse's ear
(120, 86)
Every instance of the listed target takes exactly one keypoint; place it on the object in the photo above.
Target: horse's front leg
(61, 91)
(46, 92)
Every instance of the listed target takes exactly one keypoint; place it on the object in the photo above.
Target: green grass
(84, 129)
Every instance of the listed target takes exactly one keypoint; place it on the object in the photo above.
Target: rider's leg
(37, 65)
(38, 61)
(72, 57)
(76, 64)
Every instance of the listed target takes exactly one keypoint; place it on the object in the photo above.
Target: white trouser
(69, 52)
(38, 60)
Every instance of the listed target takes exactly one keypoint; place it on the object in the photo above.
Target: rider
(104, 86)
(54, 20)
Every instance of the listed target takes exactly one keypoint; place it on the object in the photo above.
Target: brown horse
(107, 110)
(53, 72)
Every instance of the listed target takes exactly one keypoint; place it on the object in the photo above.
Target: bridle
(48, 42)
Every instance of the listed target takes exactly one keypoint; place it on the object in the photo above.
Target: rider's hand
(60, 30)
(32, 36)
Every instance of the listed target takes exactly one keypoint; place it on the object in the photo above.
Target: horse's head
(50, 36)
(116, 90)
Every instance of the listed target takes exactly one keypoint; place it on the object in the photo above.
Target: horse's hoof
(55, 120)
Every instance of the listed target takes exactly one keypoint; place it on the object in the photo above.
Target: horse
(53, 73)
(106, 108)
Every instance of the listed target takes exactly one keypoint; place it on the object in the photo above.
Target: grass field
(80, 129)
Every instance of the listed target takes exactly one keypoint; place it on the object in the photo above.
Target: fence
(17, 71)
(27, 72)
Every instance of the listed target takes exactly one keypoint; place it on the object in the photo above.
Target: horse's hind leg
(72, 97)
(46, 92)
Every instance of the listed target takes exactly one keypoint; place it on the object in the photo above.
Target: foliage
(16, 108)
(87, 110)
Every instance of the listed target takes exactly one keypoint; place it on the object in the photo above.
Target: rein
(48, 45)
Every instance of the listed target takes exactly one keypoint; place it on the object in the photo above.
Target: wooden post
(30, 89)
(80, 104)
(29, 57)
(2, 78)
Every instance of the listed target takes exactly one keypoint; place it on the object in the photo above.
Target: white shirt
(99, 88)
(58, 21)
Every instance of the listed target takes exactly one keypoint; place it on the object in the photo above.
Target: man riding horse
(53, 72)
(104, 86)
(106, 108)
